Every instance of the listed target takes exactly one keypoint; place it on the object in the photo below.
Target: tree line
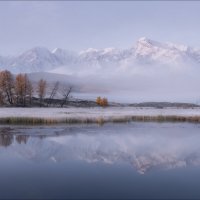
(19, 90)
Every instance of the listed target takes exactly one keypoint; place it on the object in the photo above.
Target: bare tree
(41, 89)
(65, 92)
(53, 93)
(1, 98)
(7, 86)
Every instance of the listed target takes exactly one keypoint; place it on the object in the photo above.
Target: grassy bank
(98, 120)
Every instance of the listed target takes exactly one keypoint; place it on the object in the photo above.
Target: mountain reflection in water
(144, 146)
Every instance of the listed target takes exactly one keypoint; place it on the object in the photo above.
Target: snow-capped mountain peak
(90, 50)
(146, 51)
(149, 51)
(57, 50)
(145, 45)
(39, 51)
(61, 52)
(179, 47)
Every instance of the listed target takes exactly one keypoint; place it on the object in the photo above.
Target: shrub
(102, 101)
(98, 100)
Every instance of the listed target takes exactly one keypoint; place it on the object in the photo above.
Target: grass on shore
(98, 120)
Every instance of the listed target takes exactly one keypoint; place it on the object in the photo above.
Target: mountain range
(145, 52)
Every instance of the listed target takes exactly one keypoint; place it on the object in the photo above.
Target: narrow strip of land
(96, 115)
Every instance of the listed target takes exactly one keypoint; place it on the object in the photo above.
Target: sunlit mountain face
(144, 147)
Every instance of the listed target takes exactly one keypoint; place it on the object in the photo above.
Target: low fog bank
(132, 84)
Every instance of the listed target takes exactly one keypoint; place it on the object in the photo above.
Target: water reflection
(22, 138)
(143, 146)
(6, 138)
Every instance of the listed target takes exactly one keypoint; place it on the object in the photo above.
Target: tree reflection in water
(7, 137)
(21, 139)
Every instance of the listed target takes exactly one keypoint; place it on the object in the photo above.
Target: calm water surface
(135, 160)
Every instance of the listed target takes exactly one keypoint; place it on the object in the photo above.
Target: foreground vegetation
(97, 120)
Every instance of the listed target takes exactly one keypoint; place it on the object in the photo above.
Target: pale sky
(99, 24)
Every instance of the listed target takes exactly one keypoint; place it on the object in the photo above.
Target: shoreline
(50, 116)
(100, 120)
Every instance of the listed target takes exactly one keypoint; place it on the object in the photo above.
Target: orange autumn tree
(102, 101)
(98, 100)
(7, 87)
(23, 89)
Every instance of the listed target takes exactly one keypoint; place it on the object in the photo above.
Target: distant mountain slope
(90, 61)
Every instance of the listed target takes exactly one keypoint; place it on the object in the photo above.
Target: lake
(113, 161)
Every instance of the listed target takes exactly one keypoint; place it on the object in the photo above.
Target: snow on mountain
(107, 54)
(146, 51)
(64, 56)
(35, 59)
(167, 53)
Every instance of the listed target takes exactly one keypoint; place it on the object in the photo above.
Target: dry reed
(98, 120)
